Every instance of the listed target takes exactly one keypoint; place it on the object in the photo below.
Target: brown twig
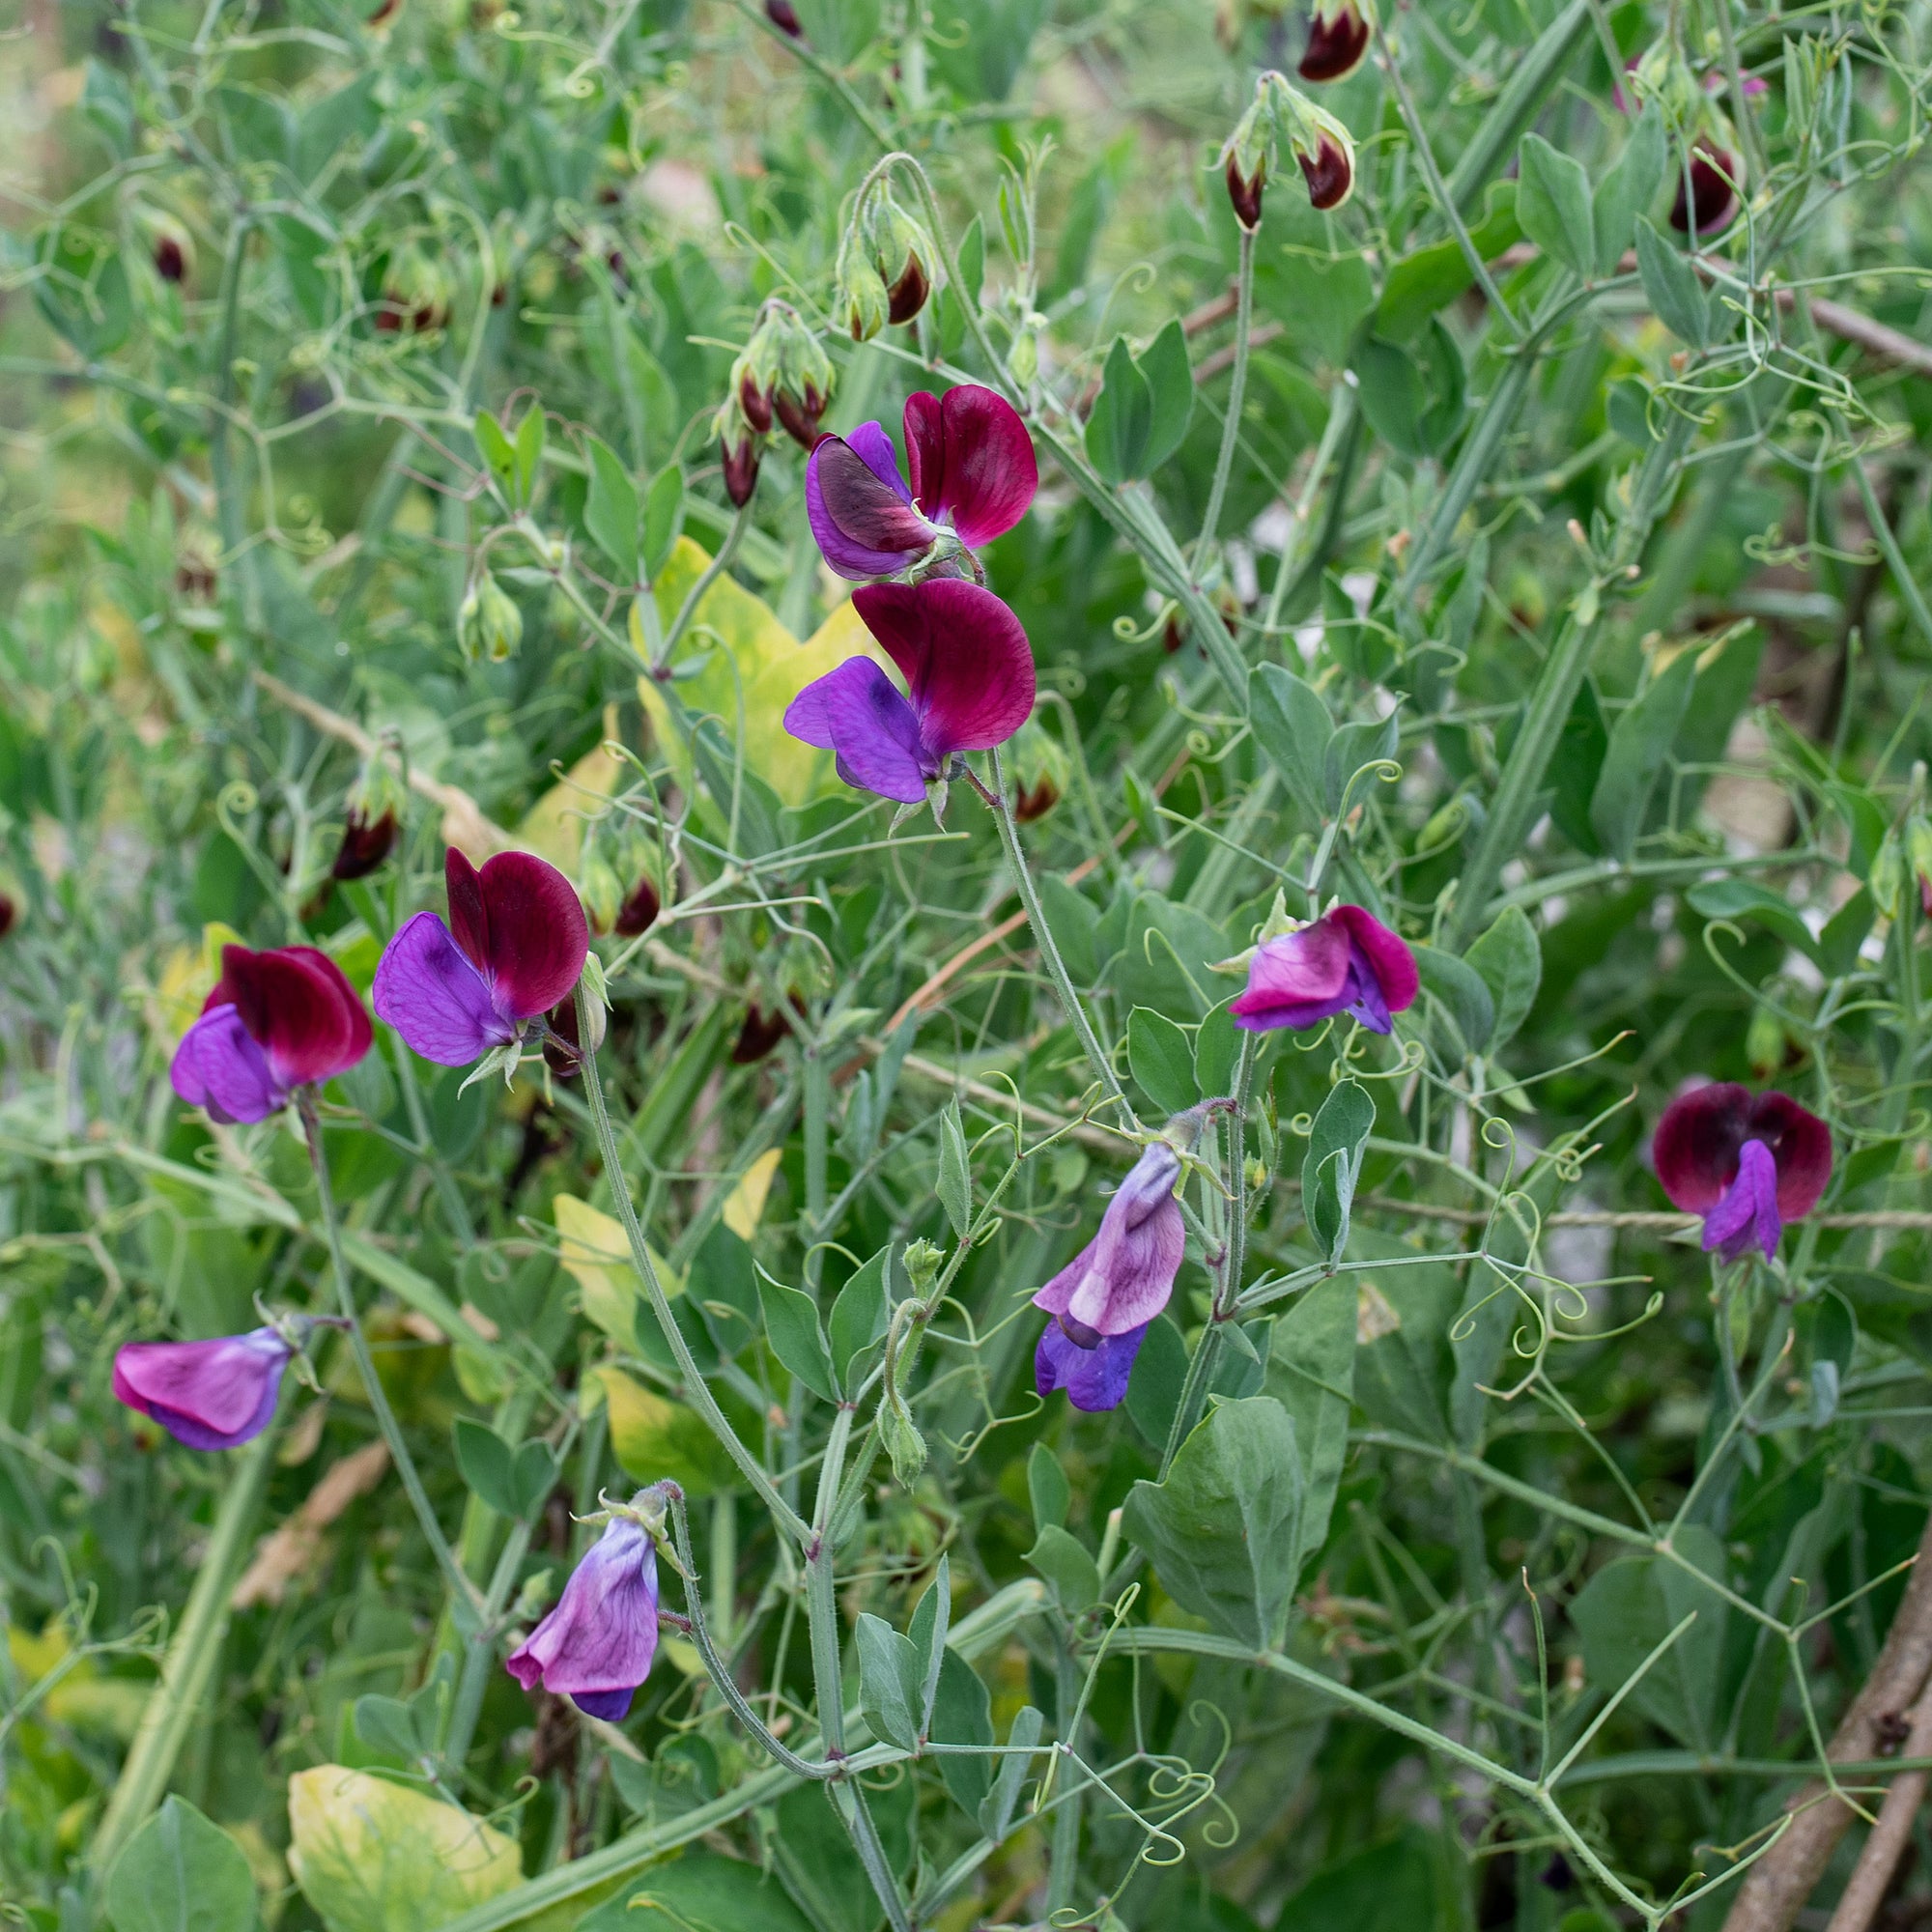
(1858, 1903)
(1776, 1886)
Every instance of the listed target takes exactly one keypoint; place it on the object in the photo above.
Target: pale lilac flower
(209, 1395)
(1347, 961)
(596, 1646)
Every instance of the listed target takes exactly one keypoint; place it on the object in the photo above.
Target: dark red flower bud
(783, 14)
(740, 469)
(1335, 47)
(799, 416)
(385, 11)
(1245, 192)
(9, 913)
(1037, 802)
(639, 911)
(760, 1033)
(170, 264)
(563, 1055)
(757, 403)
(907, 295)
(1329, 174)
(365, 844)
(1712, 190)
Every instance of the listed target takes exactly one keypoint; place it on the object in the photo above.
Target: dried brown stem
(1862, 1899)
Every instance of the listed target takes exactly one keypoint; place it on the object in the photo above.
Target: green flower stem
(823, 69)
(1339, 435)
(1062, 1866)
(697, 1391)
(1231, 429)
(848, 1799)
(1238, 1176)
(707, 576)
(175, 1702)
(817, 1099)
(460, 1586)
(1043, 934)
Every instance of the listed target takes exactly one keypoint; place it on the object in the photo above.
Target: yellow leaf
(83, 1699)
(745, 1206)
(553, 828)
(655, 1438)
(597, 1257)
(753, 652)
(375, 1857)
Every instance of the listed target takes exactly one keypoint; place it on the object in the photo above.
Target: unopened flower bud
(1707, 194)
(600, 890)
(1338, 37)
(369, 816)
(1244, 160)
(1280, 115)
(1765, 1043)
(738, 452)
(488, 624)
(170, 246)
(900, 249)
(640, 910)
(1918, 857)
(415, 295)
(861, 302)
(782, 13)
(1041, 771)
(10, 913)
(922, 1260)
(1887, 882)
(1329, 170)
(1023, 357)
(760, 1033)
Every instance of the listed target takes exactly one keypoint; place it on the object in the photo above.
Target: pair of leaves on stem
(1143, 408)
(1319, 760)
(1173, 1070)
(636, 533)
(832, 1358)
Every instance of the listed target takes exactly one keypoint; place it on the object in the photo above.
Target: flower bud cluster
(783, 378)
(620, 878)
(488, 623)
(1282, 117)
(369, 818)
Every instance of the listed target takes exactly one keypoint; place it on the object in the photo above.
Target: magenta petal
(1298, 980)
(219, 1066)
(857, 711)
(1747, 1216)
(209, 1395)
(1800, 1144)
(1697, 1143)
(299, 1008)
(864, 520)
(539, 937)
(1386, 955)
(1122, 1278)
(1094, 1379)
(963, 654)
(598, 1644)
(435, 998)
(972, 461)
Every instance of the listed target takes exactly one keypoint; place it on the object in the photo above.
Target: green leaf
(529, 448)
(962, 1714)
(611, 510)
(532, 1477)
(1071, 1571)
(1742, 898)
(1333, 1164)
(1639, 744)
(1628, 189)
(1671, 287)
(1170, 380)
(1352, 748)
(654, 1439)
(488, 1465)
(858, 1319)
(1553, 202)
(1464, 996)
(1224, 1528)
(1153, 1389)
(1845, 932)
(978, 46)
(1119, 432)
(996, 1811)
(956, 1170)
(500, 458)
(1216, 1048)
(798, 1340)
(840, 30)
(931, 1617)
(180, 1873)
(696, 1891)
(375, 1857)
(1509, 960)
(1048, 1490)
(1161, 1059)
(663, 520)
(387, 1725)
(1291, 726)
(1429, 280)
(889, 1681)
(1311, 1372)
(1579, 764)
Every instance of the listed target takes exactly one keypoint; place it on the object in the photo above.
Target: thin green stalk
(1518, 103)
(849, 1801)
(707, 576)
(1063, 1867)
(459, 1586)
(480, 1655)
(823, 69)
(1042, 935)
(1231, 428)
(817, 1099)
(1238, 1176)
(1903, 581)
(822, 1619)
(175, 1702)
(697, 1391)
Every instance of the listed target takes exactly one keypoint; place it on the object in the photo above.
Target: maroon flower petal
(1697, 1143)
(859, 512)
(468, 921)
(1388, 956)
(963, 654)
(538, 937)
(972, 461)
(1328, 172)
(298, 1009)
(1801, 1143)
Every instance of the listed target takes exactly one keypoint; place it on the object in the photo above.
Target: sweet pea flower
(973, 476)
(596, 1646)
(1747, 1162)
(969, 669)
(1103, 1299)
(209, 1395)
(275, 1021)
(1347, 961)
(514, 946)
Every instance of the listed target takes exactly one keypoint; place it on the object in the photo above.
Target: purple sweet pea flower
(275, 1021)
(1105, 1299)
(1747, 1162)
(596, 1646)
(209, 1395)
(969, 669)
(973, 475)
(515, 945)
(1347, 961)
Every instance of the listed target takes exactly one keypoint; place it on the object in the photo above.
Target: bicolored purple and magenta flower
(1345, 963)
(513, 948)
(208, 1395)
(596, 1646)
(974, 476)
(275, 1021)
(1746, 1162)
(970, 686)
(1103, 1300)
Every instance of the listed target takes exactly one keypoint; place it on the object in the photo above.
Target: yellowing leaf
(375, 1857)
(750, 652)
(746, 1205)
(654, 1437)
(597, 1257)
(553, 828)
(82, 1699)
